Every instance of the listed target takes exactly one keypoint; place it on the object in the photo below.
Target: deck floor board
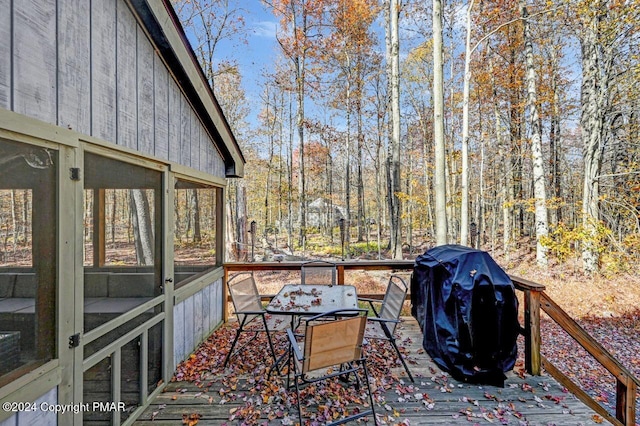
(524, 400)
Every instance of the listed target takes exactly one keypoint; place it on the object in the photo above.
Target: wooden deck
(435, 398)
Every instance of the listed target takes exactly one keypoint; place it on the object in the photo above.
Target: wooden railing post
(626, 401)
(340, 274)
(532, 340)
(225, 295)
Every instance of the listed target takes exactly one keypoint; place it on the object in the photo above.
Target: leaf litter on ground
(268, 397)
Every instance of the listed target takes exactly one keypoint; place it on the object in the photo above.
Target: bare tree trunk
(178, 226)
(271, 118)
(114, 213)
(464, 187)
(142, 226)
(241, 223)
(394, 161)
(539, 187)
(26, 226)
(554, 139)
(14, 222)
(290, 186)
(231, 254)
(195, 205)
(591, 120)
(505, 181)
(359, 180)
(378, 164)
(438, 126)
(347, 166)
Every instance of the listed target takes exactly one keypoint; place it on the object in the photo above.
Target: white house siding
(5, 53)
(194, 318)
(89, 66)
(103, 70)
(34, 59)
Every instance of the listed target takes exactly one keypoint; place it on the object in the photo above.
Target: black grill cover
(467, 310)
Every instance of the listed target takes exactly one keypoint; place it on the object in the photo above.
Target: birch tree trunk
(347, 165)
(539, 187)
(363, 227)
(438, 127)
(394, 172)
(464, 185)
(302, 208)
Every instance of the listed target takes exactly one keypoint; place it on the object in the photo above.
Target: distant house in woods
(113, 154)
(322, 213)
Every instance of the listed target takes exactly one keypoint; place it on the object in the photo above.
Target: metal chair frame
(315, 271)
(329, 344)
(382, 326)
(249, 310)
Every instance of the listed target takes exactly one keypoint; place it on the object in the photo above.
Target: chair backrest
(244, 293)
(318, 272)
(333, 342)
(393, 300)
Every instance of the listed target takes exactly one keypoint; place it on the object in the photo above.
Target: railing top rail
(591, 345)
(524, 284)
(346, 264)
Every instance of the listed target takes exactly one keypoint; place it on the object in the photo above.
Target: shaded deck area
(243, 395)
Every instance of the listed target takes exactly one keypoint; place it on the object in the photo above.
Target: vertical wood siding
(161, 113)
(103, 70)
(195, 318)
(34, 59)
(146, 112)
(74, 78)
(89, 66)
(126, 77)
(5, 56)
(175, 120)
(185, 136)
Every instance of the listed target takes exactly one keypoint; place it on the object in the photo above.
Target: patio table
(295, 300)
(307, 300)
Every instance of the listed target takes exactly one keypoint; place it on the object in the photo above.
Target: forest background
(538, 108)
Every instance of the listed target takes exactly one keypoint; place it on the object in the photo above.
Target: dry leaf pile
(254, 397)
(620, 335)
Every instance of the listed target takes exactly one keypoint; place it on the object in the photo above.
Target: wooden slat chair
(382, 325)
(327, 344)
(318, 272)
(252, 317)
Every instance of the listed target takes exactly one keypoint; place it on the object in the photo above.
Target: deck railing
(535, 300)
(626, 384)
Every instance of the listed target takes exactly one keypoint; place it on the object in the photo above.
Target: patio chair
(382, 325)
(318, 272)
(331, 349)
(252, 317)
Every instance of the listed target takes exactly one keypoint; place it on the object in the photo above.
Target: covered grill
(468, 312)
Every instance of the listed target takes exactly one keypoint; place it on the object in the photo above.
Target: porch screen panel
(122, 238)
(28, 257)
(122, 269)
(195, 230)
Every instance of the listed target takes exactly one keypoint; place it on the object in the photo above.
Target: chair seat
(374, 331)
(278, 322)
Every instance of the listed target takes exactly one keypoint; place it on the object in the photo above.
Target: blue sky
(258, 53)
